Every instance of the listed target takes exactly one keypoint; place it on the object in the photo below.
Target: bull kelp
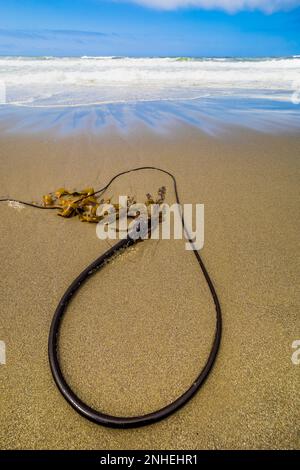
(85, 204)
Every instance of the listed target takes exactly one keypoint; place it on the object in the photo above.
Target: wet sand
(138, 332)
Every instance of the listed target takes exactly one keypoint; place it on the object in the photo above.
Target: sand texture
(138, 332)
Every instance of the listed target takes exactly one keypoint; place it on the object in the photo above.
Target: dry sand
(139, 331)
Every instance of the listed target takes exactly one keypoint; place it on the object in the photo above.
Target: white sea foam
(66, 81)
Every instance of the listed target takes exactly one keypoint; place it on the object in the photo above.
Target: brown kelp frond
(85, 203)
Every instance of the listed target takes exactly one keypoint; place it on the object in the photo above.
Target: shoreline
(214, 115)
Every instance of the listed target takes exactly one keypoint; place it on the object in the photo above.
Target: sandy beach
(138, 332)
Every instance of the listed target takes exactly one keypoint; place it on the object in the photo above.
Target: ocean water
(102, 90)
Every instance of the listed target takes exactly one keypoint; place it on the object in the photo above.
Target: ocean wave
(71, 80)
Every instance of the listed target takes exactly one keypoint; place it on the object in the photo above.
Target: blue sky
(150, 27)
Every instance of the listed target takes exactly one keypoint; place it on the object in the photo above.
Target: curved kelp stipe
(53, 342)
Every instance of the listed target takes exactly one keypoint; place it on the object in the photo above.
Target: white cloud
(232, 6)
